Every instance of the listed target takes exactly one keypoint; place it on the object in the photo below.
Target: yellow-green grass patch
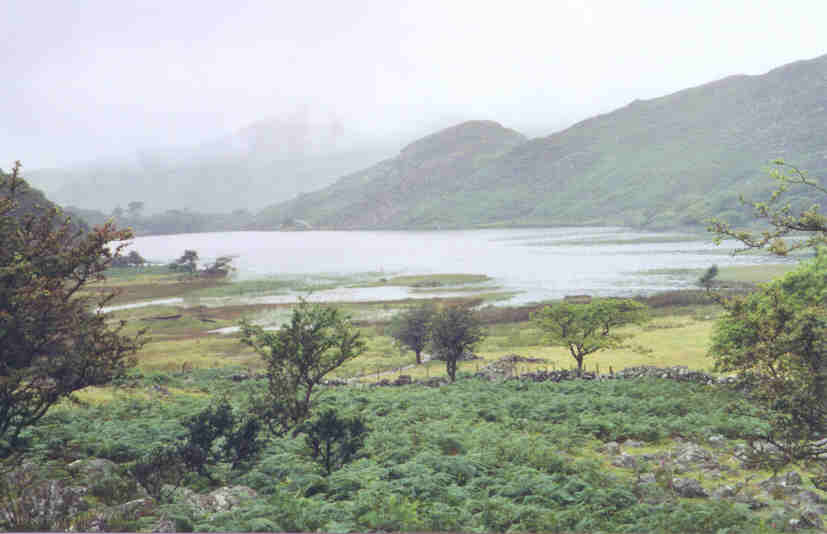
(754, 274)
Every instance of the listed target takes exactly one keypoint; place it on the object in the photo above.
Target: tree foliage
(585, 328)
(802, 221)
(188, 262)
(333, 441)
(708, 277)
(778, 336)
(54, 338)
(412, 328)
(455, 330)
(299, 355)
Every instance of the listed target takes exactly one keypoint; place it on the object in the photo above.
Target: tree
(133, 259)
(54, 338)
(783, 220)
(135, 208)
(333, 441)
(585, 328)
(221, 267)
(188, 262)
(317, 340)
(412, 328)
(454, 331)
(777, 336)
(709, 275)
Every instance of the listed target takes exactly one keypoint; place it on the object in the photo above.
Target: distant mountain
(395, 193)
(264, 163)
(658, 163)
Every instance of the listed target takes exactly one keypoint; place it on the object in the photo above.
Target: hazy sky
(86, 79)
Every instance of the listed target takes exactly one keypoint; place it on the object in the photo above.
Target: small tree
(317, 340)
(135, 208)
(333, 441)
(709, 275)
(412, 328)
(54, 338)
(589, 327)
(188, 262)
(454, 331)
(219, 268)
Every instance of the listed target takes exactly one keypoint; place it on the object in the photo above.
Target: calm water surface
(538, 264)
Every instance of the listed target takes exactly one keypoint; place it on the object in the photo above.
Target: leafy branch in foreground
(317, 340)
(778, 337)
(785, 222)
(54, 337)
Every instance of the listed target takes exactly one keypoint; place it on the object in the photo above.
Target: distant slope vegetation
(659, 163)
(398, 192)
(31, 201)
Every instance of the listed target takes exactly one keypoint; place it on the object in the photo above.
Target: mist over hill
(266, 162)
(659, 163)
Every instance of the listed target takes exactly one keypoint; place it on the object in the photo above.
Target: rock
(786, 484)
(691, 454)
(725, 492)
(105, 480)
(717, 441)
(806, 497)
(225, 498)
(812, 516)
(626, 461)
(109, 518)
(632, 443)
(219, 500)
(612, 448)
(39, 503)
(164, 525)
(688, 487)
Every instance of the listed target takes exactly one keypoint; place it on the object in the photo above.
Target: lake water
(537, 264)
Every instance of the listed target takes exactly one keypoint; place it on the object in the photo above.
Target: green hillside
(392, 193)
(664, 162)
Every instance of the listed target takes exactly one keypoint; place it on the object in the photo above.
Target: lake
(536, 264)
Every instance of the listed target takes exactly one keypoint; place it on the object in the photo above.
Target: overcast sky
(85, 79)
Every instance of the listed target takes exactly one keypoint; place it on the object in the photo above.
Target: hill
(397, 192)
(659, 163)
(30, 201)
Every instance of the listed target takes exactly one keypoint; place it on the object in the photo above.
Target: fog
(96, 80)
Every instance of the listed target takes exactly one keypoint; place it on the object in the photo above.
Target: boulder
(691, 454)
(39, 503)
(688, 487)
(105, 480)
(626, 461)
(216, 501)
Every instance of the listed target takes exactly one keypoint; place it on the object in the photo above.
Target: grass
(754, 274)
(180, 338)
(663, 342)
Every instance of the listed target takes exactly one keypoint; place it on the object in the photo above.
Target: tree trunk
(419, 357)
